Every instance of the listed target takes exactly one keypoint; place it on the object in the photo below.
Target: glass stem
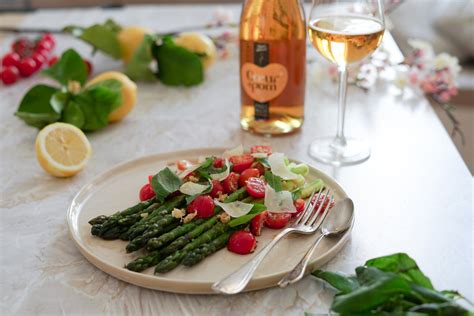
(340, 140)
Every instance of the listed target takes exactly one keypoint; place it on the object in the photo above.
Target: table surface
(413, 195)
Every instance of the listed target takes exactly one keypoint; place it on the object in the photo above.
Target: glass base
(337, 152)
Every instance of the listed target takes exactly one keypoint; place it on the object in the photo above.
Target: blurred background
(448, 25)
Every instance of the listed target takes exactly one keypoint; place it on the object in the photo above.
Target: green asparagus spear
(155, 256)
(197, 255)
(240, 194)
(113, 233)
(112, 220)
(158, 242)
(153, 230)
(172, 261)
(98, 220)
(138, 228)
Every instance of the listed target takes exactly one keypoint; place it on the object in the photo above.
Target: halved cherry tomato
(259, 166)
(277, 220)
(242, 162)
(242, 242)
(146, 192)
(256, 187)
(183, 165)
(299, 205)
(257, 223)
(248, 173)
(261, 149)
(321, 199)
(217, 189)
(203, 205)
(219, 162)
(231, 183)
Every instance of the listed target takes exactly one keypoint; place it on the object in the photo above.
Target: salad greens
(389, 285)
(164, 183)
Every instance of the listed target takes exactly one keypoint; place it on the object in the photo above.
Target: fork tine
(316, 214)
(310, 207)
(317, 221)
(307, 208)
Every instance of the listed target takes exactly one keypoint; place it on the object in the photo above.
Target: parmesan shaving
(235, 209)
(278, 202)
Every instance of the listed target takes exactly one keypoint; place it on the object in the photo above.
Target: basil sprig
(86, 107)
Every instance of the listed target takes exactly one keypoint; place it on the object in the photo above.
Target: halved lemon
(62, 149)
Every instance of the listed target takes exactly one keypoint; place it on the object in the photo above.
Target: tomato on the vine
(27, 67)
(9, 75)
(11, 59)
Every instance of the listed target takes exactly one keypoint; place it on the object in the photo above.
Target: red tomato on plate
(299, 205)
(242, 162)
(146, 192)
(231, 183)
(219, 162)
(203, 205)
(277, 220)
(242, 242)
(256, 187)
(217, 189)
(248, 173)
(257, 223)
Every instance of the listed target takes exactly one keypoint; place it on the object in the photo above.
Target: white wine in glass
(344, 32)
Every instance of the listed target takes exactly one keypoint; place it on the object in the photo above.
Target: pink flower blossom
(428, 87)
(413, 78)
(445, 96)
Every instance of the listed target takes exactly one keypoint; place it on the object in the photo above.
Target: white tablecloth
(413, 195)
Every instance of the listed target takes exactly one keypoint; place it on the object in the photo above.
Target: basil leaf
(264, 162)
(35, 107)
(73, 114)
(70, 67)
(401, 263)
(164, 183)
(274, 181)
(339, 281)
(256, 209)
(108, 92)
(177, 65)
(59, 100)
(138, 68)
(103, 37)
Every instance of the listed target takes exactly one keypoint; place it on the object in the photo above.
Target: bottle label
(262, 81)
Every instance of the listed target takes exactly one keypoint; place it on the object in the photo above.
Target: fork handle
(238, 280)
(298, 271)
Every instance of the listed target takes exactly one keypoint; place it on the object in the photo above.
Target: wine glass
(344, 32)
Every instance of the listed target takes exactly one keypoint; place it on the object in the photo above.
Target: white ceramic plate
(118, 189)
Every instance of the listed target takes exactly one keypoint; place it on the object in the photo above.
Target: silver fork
(307, 223)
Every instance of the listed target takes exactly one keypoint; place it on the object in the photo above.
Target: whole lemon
(130, 39)
(200, 44)
(128, 91)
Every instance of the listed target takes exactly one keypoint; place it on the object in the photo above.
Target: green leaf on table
(70, 67)
(103, 37)
(138, 68)
(177, 65)
(59, 100)
(403, 264)
(35, 107)
(244, 219)
(164, 183)
(273, 180)
(73, 114)
(96, 103)
(343, 283)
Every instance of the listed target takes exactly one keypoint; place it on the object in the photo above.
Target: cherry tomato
(203, 205)
(277, 220)
(217, 189)
(89, 66)
(52, 60)
(246, 174)
(231, 183)
(219, 162)
(45, 53)
(39, 60)
(11, 59)
(242, 242)
(183, 165)
(240, 163)
(256, 187)
(49, 38)
(259, 166)
(9, 75)
(261, 149)
(321, 199)
(150, 177)
(146, 192)
(20, 45)
(257, 223)
(299, 205)
(27, 67)
(44, 44)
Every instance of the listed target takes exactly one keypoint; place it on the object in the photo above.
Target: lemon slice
(62, 149)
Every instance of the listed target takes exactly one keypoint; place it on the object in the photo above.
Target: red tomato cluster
(27, 57)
